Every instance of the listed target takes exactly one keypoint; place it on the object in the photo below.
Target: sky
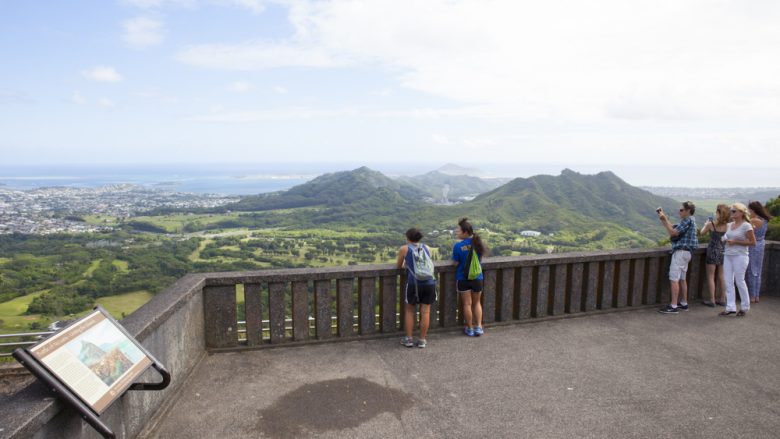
(610, 82)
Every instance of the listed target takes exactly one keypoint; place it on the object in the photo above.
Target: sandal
(727, 313)
(710, 304)
(741, 314)
(720, 303)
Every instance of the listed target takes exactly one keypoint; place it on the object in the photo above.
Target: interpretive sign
(95, 358)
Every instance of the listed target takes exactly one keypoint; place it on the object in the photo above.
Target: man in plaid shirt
(684, 243)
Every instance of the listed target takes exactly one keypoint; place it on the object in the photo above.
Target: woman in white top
(738, 237)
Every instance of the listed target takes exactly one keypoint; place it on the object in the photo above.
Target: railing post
(254, 314)
(506, 295)
(388, 290)
(577, 286)
(607, 294)
(637, 293)
(489, 296)
(526, 292)
(219, 311)
(323, 305)
(559, 292)
(366, 293)
(449, 302)
(300, 310)
(653, 276)
(592, 286)
(624, 276)
(345, 306)
(694, 279)
(276, 310)
(542, 291)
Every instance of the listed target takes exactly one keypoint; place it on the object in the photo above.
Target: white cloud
(106, 103)
(143, 32)
(240, 87)
(255, 6)
(218, 115)
(440, 139)
(102, 74)
(77, 98)
(256, 56)
(560, 59)
(280, 90)
(156, 4)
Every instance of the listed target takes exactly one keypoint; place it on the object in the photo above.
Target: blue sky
(254, 81)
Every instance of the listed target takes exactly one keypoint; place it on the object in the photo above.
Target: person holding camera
(684, 243)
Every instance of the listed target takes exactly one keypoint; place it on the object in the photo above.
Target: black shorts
(424, 293)
(465, 285)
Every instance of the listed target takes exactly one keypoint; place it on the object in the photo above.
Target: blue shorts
(475, 286)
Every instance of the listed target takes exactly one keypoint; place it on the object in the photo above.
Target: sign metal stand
(65, 392)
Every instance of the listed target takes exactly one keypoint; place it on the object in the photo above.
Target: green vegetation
(345, 218)
(124, 304)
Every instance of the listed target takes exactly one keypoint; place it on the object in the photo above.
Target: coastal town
(50, 210)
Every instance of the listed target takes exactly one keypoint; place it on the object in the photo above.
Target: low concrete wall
(170, 326)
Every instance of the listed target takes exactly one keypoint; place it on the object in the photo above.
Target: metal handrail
(26, 334)
(37, 335)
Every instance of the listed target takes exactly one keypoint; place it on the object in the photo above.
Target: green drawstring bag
(473, 268)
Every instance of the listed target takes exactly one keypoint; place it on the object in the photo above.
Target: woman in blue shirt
(470, 291)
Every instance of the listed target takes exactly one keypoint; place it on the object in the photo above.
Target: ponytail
(476, 241)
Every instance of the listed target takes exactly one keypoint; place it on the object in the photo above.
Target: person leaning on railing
(684, 243)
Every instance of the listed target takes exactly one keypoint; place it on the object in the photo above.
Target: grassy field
(92, 267)
(12, 314)
(14, 319)
(120, 265)
(124, 303)
(101, 220)
(176, 223)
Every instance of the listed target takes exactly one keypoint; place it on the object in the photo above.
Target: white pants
(734, 267)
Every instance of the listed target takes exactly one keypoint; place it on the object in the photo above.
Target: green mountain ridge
(571, 203)
(361, 185)
(444, 187)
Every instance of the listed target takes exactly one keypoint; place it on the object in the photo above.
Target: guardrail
(9, 342)
(350, 302)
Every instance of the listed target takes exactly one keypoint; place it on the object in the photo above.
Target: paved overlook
(634, 374)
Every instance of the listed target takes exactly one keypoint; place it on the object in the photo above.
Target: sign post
(90, 364)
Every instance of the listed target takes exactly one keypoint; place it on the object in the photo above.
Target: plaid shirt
(687, 239)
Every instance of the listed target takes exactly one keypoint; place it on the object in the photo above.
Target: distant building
(530, 233)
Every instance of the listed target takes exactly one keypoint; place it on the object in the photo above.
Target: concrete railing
(199, 313)
(366, 300)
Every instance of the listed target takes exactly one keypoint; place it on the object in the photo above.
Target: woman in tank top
(716, 227)
(759, 217)
(738, 237)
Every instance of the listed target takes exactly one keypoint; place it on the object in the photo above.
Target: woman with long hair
(738, 237)
(716, 227)
(759, 217)
(470, 291)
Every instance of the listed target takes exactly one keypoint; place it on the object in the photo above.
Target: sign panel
(94, 358)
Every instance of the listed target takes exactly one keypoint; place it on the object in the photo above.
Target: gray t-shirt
(737, 234)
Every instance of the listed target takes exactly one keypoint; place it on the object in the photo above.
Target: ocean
(247, 179)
